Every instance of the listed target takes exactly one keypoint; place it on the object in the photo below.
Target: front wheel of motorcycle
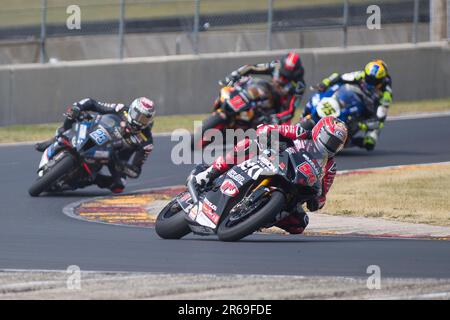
(199, 140)
(171, 222)
(52, 175)
(229, 231)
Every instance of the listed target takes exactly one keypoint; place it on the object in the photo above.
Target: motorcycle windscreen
(349, 100)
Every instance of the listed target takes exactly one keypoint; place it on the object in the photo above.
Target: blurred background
(36, 30)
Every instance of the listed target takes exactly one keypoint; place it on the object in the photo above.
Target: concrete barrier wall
(5, 95)
(188, 84)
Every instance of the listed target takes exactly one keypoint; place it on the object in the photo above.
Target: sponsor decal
(119, 107)
(209, 210)
(291, 150)
(229, 188)
(282, 166)
(185, 197)
(117, 133)
(210, 204)
(101, 154)
(236, 176)
(266, 162)
(193, 213)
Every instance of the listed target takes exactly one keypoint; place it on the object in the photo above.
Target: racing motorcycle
(77, 156)
(348, 102)
(238, 107)
(251, 195)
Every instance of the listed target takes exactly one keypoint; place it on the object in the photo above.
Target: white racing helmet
(141, 113)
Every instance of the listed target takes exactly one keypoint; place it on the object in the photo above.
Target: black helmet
(291, 67)
(288, 75)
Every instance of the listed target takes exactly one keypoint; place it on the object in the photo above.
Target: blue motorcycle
(78, 155)
(347, 102)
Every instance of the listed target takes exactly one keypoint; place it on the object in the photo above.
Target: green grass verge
(417, 194)
(38, 132)
(401, 108)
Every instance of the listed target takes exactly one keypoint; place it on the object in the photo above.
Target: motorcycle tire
(50, 177)
(171, 225)
(254, 222)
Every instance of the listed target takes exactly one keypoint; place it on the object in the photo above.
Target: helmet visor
(332, 143)
(372, 80)
(140, 118)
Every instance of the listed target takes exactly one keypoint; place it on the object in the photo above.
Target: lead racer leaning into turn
(327, 138)
(137, 137)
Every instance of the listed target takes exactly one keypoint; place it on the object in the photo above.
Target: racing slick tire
(225, 232)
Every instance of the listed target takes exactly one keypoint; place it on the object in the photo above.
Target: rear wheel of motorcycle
(170, 223)
(254, 222)
(52, 175)
(214, 121)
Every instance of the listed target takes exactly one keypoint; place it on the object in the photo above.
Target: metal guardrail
(272, 19)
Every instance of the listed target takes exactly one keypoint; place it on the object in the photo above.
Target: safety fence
(129, 28)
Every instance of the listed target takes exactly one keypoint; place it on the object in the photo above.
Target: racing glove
(73, 113)
(230, 79)
(315, 204)
(321, 87)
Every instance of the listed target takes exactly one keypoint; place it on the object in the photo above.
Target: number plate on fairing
(100, 136)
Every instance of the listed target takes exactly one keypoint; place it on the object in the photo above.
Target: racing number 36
(307, 170)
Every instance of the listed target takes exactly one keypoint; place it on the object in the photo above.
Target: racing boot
(109, 182)
(42, 146)
(370, 140)
(295, 222)
(117, 186)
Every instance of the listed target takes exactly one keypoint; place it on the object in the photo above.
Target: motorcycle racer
(288, 84)
(328, 137)
(137, 139)
(377, 83)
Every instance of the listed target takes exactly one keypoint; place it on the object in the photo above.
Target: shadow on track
(288, 239)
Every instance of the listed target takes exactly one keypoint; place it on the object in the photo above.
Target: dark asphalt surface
(35, 234)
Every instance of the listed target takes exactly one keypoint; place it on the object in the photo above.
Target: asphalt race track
(35, 234)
